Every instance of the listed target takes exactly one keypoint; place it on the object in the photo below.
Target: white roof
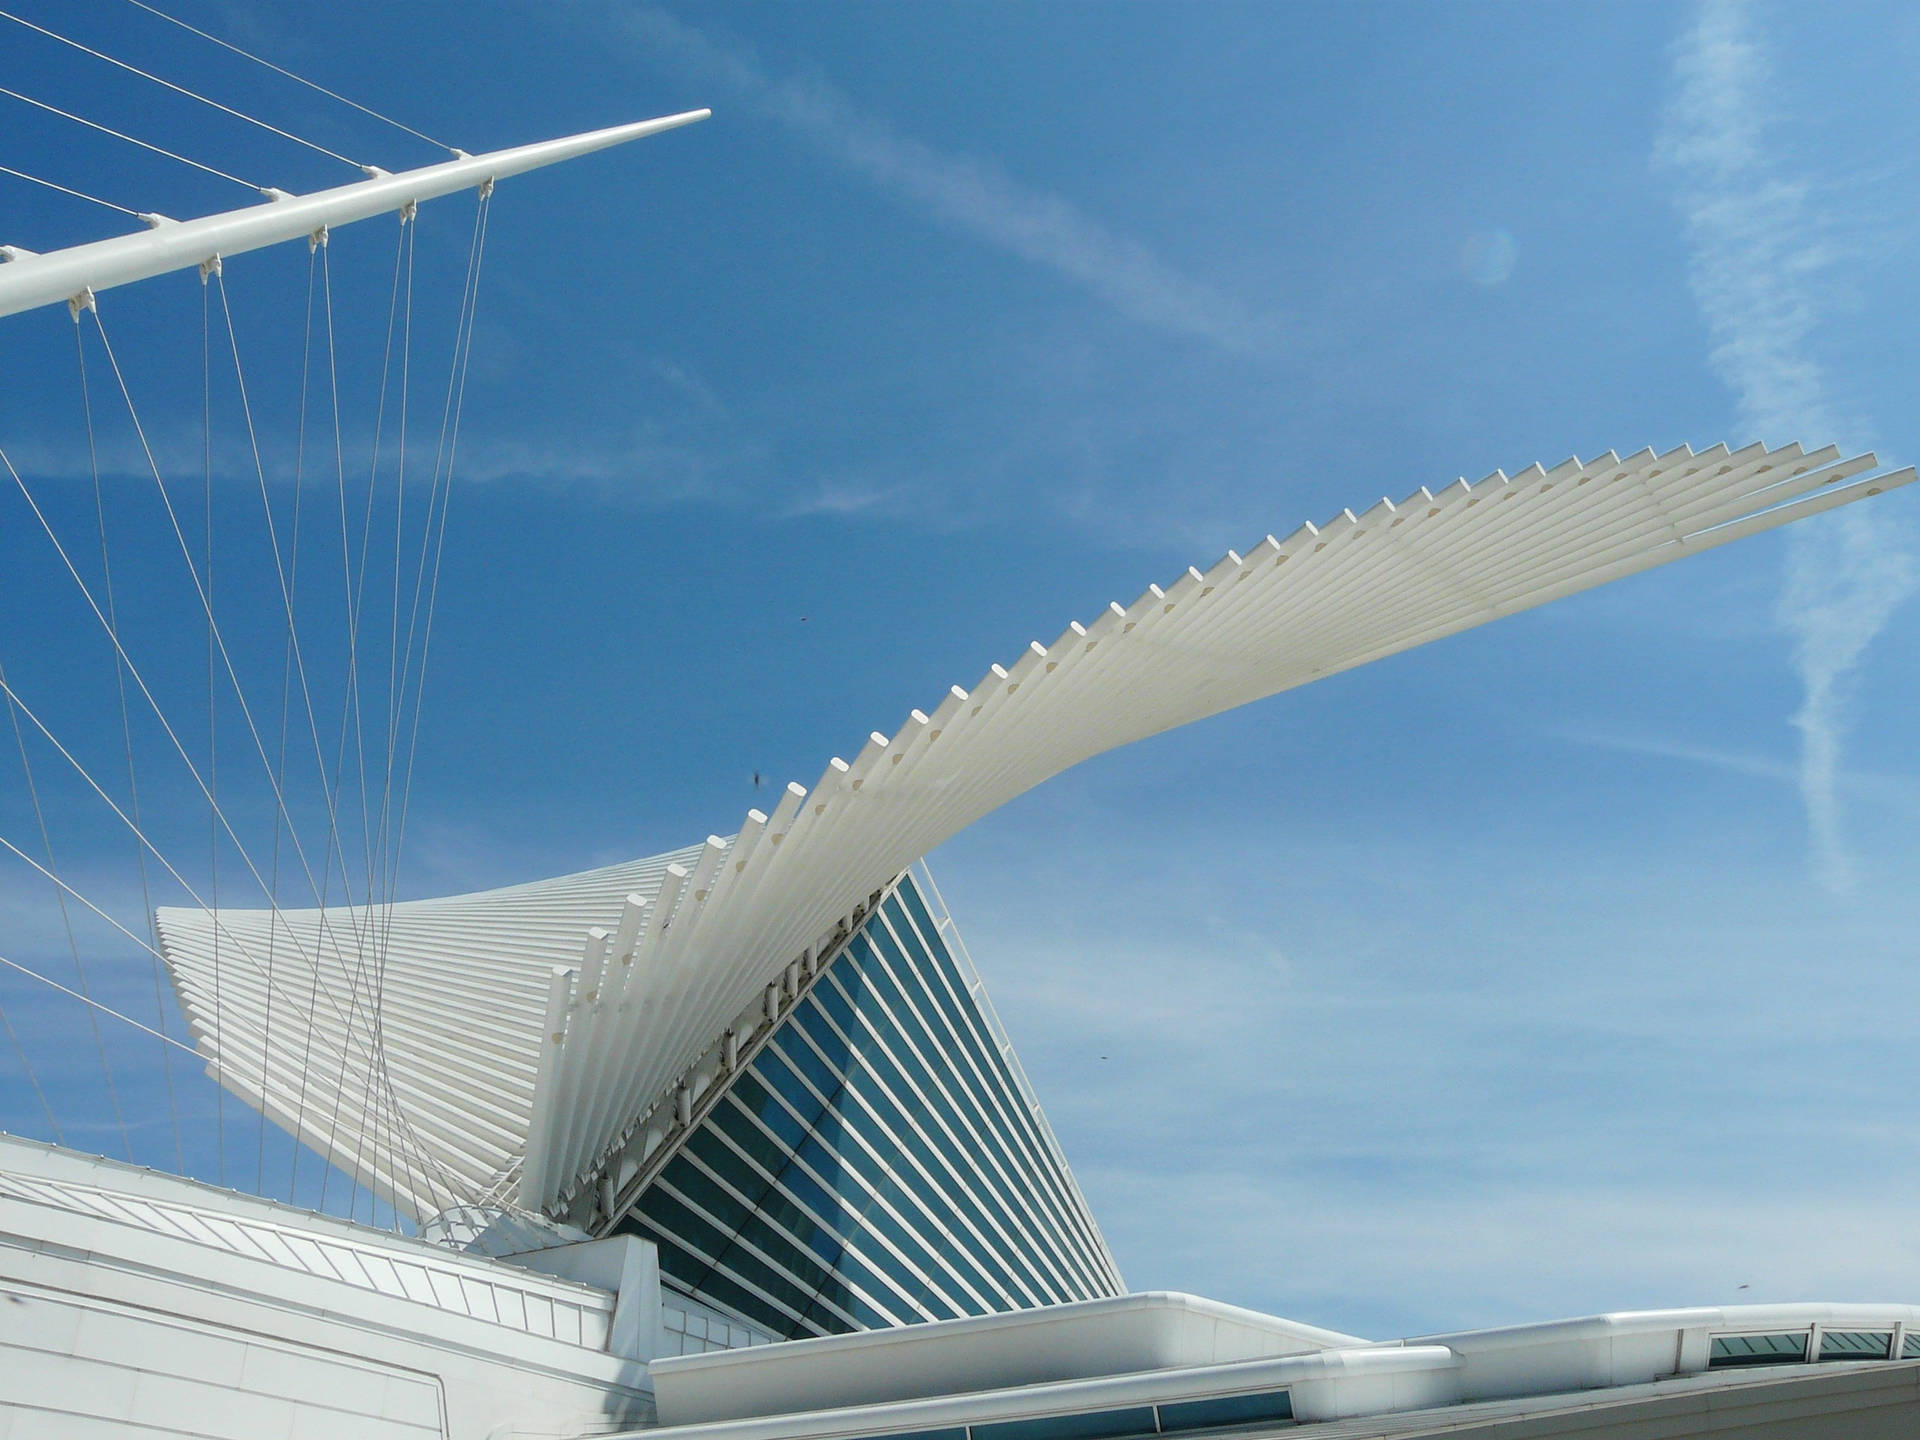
(1096, 1367)
(1154, 1330)
(493, 1058)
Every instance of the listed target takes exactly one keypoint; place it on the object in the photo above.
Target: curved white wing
(593, 1039)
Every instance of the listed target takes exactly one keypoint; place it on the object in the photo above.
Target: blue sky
(1561, 966)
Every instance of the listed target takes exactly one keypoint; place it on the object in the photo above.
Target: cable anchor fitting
(82, 302)
(409, 211)
(209, 268)
(317, 239)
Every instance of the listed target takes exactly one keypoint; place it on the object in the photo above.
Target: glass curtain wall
(878, 1162)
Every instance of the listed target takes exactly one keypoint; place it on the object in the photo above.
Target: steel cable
(67, 190)
(178, 89)
(297, 79)
(126, 730)
(120, 135)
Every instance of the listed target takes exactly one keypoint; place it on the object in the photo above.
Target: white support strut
(31, 281)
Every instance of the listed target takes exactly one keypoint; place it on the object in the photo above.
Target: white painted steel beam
(33, 280)
(471, 1084)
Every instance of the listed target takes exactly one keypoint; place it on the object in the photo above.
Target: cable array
(290, 75)
(129, 139)
(330, 1017)
(177, 89)
(277, 827)
(151, 147)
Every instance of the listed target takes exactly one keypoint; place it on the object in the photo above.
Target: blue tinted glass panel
(931, 999)
(914, 1049)
(969, 1025)
(941, 979)
(909, 895)
(828, 1184)
(1780, 1349)
(775, 1245)
(666, 1212)
(933, 1181)
(814, 1066)
(771, 1281)
(698, 1276)
(676, 1262)
(1011, 1144)
(781, 1081)
(903, 1187)
(1218, 1410)
(955, 1181)
(936, 1150)
(837, 1005)
(732, 1118)
(1090, 1425)
(1855, 1344)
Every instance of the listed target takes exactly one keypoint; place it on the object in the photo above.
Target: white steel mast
(30, 281)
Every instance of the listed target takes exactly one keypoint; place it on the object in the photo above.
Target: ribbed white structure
(441, 1117)
(503, 1038)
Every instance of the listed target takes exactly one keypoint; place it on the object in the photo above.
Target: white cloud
(1759, 251)
(974, 194)
(847, 498)
(684, 381)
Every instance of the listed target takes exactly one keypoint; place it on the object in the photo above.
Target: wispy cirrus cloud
(1889, 790)
(1759, 249)
(974, 194)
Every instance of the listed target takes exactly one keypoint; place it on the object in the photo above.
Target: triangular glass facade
(879, 1160)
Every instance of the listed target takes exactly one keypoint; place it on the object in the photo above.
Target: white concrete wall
(691, 1328)
(79, 1366)
(125, 1326)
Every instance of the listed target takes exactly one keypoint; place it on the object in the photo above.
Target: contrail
(967, 192)
(1756, 257)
